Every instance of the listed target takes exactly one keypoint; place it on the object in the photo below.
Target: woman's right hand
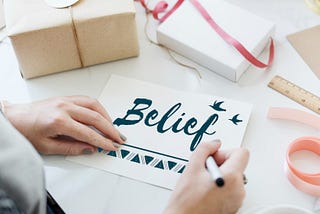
(196, 192)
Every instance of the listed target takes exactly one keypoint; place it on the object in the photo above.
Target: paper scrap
(307, 44)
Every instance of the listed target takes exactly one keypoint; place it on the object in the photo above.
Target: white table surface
(80, 189)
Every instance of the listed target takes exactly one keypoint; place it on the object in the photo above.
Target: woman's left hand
(69, 125)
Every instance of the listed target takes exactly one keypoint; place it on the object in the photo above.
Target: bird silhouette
(235, 119)
(217, 106)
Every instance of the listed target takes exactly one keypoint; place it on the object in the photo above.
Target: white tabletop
(80, 189)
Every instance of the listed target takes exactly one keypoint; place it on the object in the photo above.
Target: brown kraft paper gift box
(47, 40)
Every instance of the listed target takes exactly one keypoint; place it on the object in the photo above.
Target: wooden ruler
(295, 93)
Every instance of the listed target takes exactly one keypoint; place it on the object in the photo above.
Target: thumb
(67, 147)
(203, 151)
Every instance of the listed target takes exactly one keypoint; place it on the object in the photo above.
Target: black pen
(214, 171)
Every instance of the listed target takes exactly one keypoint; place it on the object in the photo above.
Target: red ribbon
(162, 6)
(159, 8)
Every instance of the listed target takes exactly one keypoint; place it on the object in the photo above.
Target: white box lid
(187, 27)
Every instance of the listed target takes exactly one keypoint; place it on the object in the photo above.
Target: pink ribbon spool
(305, 182)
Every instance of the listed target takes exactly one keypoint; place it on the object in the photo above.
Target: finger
(222, 155)
(202, 152)
(235, 160)
(91, 103)
(95, 119)
(67, 147)
(85, 134)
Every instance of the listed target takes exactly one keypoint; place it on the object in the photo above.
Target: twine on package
(75, 36)
(62, 4)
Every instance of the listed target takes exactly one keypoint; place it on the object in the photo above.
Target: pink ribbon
(159, 8)
(162, 6)
(306, 182)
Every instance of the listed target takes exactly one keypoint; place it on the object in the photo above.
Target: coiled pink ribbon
(162, 6)
(305, 182)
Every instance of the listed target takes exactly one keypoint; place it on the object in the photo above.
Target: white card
(163, 127)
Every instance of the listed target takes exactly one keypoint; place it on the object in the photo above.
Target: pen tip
(220, 182)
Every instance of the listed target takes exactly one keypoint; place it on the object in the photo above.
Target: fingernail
(87, 151)
(115, 144)
(218, 141)
(124, 138)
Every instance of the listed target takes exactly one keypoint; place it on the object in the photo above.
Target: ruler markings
(296, 93)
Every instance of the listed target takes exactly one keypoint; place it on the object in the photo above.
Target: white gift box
(2, 22)
(189, 34)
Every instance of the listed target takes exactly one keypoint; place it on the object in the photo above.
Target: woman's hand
(196, 192)
(65, 125)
